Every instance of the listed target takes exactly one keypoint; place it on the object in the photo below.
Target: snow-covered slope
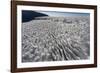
(56, 39)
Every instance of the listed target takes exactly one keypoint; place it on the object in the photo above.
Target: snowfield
(56, 39)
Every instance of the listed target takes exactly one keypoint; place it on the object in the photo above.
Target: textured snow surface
(56, 39)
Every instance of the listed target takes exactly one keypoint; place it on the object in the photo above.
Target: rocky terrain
(56, 39)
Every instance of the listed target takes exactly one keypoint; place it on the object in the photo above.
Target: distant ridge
(28, 15)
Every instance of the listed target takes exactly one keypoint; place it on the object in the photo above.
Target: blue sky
(28, 15)
(57, 14)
